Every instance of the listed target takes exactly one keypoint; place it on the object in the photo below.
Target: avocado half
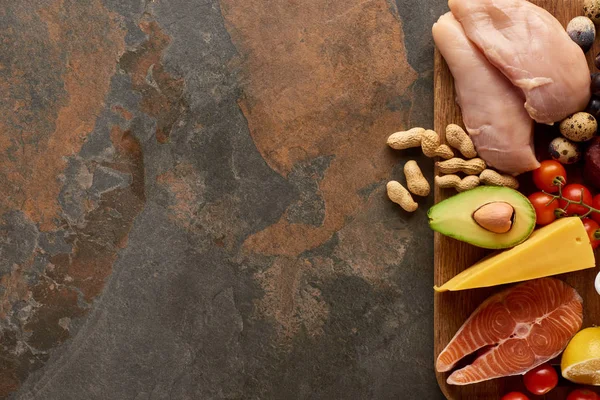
(454, 217)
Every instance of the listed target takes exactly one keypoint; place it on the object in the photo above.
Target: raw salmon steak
(520, 328)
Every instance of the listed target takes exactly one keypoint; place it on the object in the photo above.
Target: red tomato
(514, 396)
(541, 380)
(596, 204)
(544, 207)
(582, 394)
(593, 230)
(545, 176)
(573, 192)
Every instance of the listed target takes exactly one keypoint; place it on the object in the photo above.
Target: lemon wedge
(581, 359)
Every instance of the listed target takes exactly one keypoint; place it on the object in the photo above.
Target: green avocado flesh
(454, 217)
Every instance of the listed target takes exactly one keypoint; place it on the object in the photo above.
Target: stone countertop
(193, 200)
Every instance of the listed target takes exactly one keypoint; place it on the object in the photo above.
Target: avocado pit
(496, 217)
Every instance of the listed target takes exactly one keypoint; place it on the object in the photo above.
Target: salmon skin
(525, 325)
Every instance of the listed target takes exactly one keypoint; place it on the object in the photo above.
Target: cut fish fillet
(491, 106)
(527, 325)
(533, 50)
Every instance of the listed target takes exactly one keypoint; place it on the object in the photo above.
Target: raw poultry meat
(491, 106)
(533, 50)
(525, 326)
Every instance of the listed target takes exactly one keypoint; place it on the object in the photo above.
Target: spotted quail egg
(591, 9)
(564, 151)
(579, 127)
(582, 31)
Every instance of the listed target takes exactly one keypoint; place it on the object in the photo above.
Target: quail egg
(579, 127)
(564, 151)
(582, 31)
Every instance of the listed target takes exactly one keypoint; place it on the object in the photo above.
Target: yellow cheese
(563, 246)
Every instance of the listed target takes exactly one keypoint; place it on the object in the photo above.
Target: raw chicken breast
(491, 106)
(533, 50)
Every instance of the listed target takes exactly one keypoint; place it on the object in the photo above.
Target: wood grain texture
(451, 256)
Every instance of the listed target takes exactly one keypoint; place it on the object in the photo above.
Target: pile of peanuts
(475, 169)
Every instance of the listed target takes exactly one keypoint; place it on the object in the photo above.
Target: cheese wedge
(563, 246)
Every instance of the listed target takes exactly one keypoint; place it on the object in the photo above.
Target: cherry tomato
(582, 394)
(593, 230)
(544, 207)
(541, 380)
(573, 192)
(544, 177)
(596, 204)
(514, 396)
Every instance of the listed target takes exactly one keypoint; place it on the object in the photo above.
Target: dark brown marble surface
(192, 200)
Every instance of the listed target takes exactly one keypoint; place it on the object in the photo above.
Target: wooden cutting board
(451, 309)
